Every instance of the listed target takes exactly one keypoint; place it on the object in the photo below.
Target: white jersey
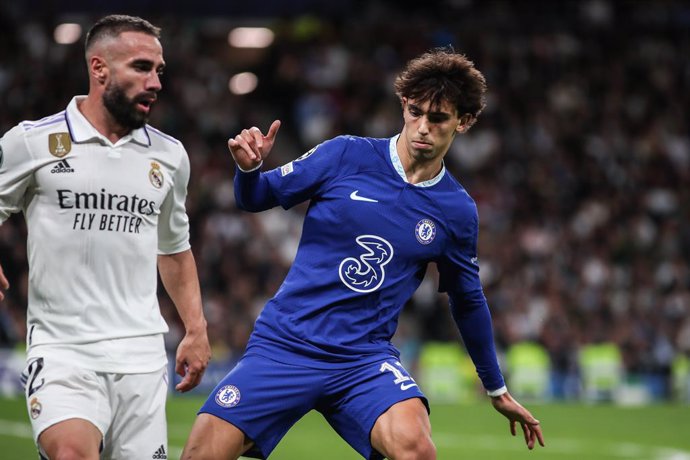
(97, 214)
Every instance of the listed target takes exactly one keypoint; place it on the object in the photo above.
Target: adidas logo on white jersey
(62, 167)
(160, 453)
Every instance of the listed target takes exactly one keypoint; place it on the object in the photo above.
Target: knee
(195, 450)
(68, 451)
(413, 447)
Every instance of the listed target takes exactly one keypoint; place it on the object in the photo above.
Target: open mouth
(145, 103)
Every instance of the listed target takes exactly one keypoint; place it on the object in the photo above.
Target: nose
(423, 127)
(153, 82)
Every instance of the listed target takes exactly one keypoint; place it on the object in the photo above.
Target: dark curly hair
(440, 75)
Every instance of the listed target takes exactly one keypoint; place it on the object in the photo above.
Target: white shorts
(128, 409)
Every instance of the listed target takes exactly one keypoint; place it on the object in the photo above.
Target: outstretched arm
(515, 413)
(179, 276)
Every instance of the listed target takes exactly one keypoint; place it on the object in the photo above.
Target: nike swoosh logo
(404, 386)
(355, 196)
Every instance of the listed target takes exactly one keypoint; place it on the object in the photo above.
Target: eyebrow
(436, 114)
(143, 61)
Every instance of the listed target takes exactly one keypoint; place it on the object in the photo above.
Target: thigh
(71, 438)
(262, 398)
(212, 437)
(358, 397)
(61, 398)
(404, 429)
(138, 428)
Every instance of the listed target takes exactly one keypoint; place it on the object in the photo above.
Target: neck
(99, 117)
(417, 169)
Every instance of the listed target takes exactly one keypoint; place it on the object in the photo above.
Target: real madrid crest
(155, 175)
(59, 144)
(425, 231)
(35, 408)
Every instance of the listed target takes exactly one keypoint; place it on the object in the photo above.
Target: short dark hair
(114, 24)
(440, 75)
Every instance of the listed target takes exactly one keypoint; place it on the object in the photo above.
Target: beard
(123, 109)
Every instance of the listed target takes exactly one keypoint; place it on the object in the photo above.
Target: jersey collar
(397, 164)
(81, 130)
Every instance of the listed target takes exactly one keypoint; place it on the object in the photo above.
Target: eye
(414, 111)
(142, 66)
(437, 118)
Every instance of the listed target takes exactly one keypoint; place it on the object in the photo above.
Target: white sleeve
(173, 223)
(16, 172)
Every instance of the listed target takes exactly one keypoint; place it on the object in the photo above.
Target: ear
(98, 68)
(464, 123)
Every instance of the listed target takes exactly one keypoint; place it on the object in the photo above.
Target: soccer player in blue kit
(381, 210)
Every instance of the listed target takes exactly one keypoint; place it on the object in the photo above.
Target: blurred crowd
(577, 164)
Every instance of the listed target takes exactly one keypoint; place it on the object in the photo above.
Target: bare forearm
(178, 273)
(180, 279)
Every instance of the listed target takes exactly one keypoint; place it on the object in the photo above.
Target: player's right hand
(250, 147)
(4, 284)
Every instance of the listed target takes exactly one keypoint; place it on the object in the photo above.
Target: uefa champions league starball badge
(228, 396)
(425, 231)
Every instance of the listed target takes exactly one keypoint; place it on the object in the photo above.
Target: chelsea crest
(425, 231)
(228, 396)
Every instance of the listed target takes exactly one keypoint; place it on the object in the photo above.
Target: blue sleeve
(252, 191)
(308, 176)
(472, 316)
(459, 277)
(299, 180)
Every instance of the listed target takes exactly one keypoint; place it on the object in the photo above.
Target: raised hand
(250, 147)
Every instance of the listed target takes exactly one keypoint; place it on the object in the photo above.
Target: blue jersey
(367, 239)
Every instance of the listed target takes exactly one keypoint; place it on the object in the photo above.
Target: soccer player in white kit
(103, 195)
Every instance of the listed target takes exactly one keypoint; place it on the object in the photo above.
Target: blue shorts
(265, 398)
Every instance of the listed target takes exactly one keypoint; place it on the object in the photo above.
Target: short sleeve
(16, 171)
(173, 222)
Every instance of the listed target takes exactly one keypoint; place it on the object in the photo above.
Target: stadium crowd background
(580, 163)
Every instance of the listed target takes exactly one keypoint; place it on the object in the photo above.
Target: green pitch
(573, 432)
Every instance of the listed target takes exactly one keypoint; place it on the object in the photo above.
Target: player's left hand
(193, 355)
(516, 413)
